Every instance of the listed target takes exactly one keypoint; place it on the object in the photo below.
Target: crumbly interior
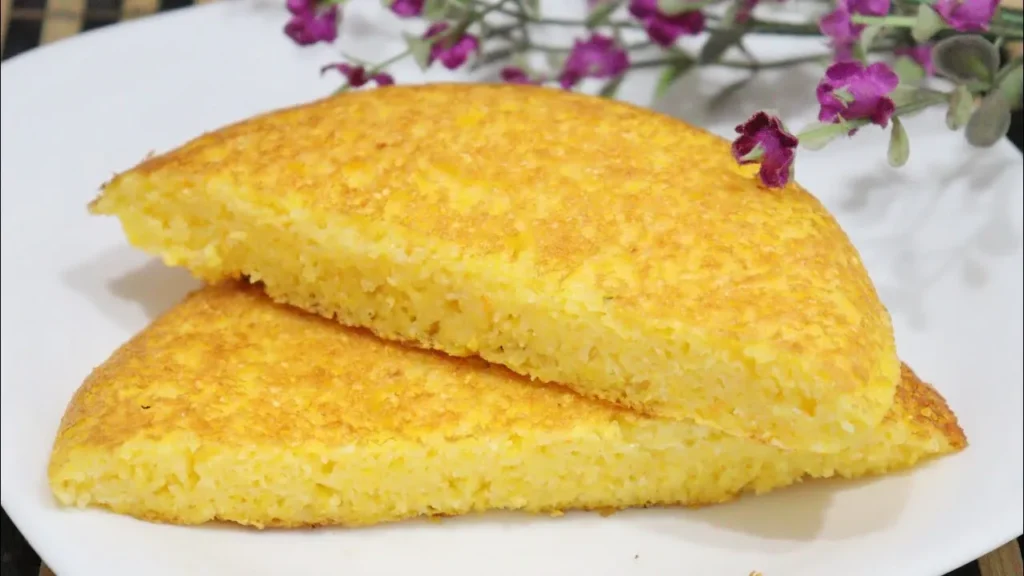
(233, 408)
(572, 239)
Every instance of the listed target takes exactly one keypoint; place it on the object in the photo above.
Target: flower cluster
(881, 53)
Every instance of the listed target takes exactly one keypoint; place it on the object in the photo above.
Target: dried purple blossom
(407, 8)
(596, 57)
(839, 27)
(311, 23)
(851, 91)
(515, 75)
(762, 139)
(357, 75)
(967, 15)
(665, 29)
(451, 52)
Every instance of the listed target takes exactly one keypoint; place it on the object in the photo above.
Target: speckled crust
(635, 221)
(230, 407)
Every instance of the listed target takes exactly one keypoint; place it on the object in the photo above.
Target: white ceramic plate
(942, 239)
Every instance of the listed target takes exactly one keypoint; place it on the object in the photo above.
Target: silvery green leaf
(754, 155)
(718, 43)
(904, 95)
(670, 74)
(1012, 86)
(928, 22)
(674, 7)
(818, 135)
(844, 95)
(961, 105)
(420, 50)
(612, 87)
(867, 37)
(899, 144)
(602, 13)
(556, 60)
(909, 72)
(434, 10)
(966, 58)
(989, 122)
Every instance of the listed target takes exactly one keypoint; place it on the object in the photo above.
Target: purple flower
(838, 24)
(967, 15)
(357, 76)
(777, 148)
(452, 52)
(662, 28)
(841, 32)
(514, 75)
(597, 57)
(920, 53)
(407, 8)
(310, 24)
(850, 91)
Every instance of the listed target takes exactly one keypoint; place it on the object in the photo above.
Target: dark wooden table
(25, 24)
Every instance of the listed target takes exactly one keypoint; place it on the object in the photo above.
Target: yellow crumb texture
(231, 407)
(570, 238)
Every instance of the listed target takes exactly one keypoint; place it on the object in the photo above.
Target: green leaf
(927, 23)
(867, 37)
(989, 122)
(420, 49)
(434, 10)
(754, 155)
(818, 135)
(670, 74)
(961, 105)
(1012, 86)
(602, 13)
(612, 87)
(556, 60)
(844, 95)
(904, 95)
(966, 58)
(899, 144)
(910, 72)
(674, 7)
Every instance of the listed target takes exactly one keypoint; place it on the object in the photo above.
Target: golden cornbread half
(570, 238)
(234, 408)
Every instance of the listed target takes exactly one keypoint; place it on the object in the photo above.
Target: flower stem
(1010, 68)
(891, 21)
(742, 65)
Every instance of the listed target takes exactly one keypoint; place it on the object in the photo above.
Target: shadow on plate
(955, 229)
(784, 519)
(153, 286)
(702, 98)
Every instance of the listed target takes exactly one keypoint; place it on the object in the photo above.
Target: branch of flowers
(743, 65)
(1004, 13)
(524, 17)
(379, 67)
(908, 22)
(926, 100)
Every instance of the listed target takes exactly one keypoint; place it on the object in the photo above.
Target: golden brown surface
(231, 407)
(573, 239)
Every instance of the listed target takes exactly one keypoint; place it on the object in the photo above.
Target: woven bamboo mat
(25, 24)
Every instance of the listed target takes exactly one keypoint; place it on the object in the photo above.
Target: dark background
(16, 557)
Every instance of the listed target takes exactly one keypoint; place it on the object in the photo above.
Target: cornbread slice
(231, 407)
(570, 238)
